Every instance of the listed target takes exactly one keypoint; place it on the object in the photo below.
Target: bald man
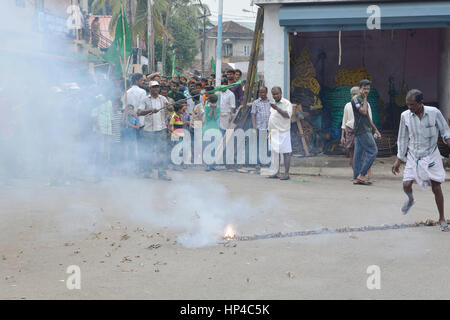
(280, 133)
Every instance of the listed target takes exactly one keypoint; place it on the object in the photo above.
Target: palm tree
(163, 11)
(138, 21)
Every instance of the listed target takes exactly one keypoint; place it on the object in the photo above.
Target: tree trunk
(150, 36)
(164, 47)
(133, 6)
(129, 16)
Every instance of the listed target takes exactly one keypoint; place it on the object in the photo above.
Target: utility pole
(151, 65)
(219, 46)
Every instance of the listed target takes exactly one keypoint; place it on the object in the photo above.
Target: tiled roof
(232, 27)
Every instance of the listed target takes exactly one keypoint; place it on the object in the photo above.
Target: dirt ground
(128, 240)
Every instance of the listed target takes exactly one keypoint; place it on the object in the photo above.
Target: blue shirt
(130, 132)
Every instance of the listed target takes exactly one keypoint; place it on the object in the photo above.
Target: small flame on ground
(230, 232)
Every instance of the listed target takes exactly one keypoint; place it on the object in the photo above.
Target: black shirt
(176, 96)
(362, 122)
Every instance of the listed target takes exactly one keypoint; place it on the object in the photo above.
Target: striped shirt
(154, 121)
(420, 136)
(176, 126)
(116, 126)
(261, 109)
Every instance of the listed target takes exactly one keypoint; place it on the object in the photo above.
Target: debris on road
(126, 259)
(290, 275)
(154, 246)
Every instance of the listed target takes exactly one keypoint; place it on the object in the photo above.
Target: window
(246, 51)
(39, 5)
(228, 50)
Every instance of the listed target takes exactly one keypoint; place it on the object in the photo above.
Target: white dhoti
(280, 142)
(425, 169)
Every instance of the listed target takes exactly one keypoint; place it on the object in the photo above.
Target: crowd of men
(134, 133)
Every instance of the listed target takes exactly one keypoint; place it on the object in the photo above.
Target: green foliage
(184, 40)
(183, 29)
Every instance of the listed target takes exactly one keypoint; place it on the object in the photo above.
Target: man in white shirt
(154, 133)
(348, 122)
(227, 108)
(136, 96)
(280, 133)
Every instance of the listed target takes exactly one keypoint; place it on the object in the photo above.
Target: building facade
(410, 44)
(236, 47)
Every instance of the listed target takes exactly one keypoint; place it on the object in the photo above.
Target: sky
(232, 10)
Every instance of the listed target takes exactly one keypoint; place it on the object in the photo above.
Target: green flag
(115, 52)
(173, 65)
(213, 64)
(174, 69)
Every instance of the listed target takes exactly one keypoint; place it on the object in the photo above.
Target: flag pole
(124, 60)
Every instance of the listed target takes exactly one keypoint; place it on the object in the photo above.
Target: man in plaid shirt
(260, 118)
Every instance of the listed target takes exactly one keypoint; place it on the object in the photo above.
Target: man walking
(364, 140)
(417, 146)
(280, 133)
(155, 133)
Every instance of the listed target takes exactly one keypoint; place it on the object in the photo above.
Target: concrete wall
(15, 13)
(444, 73)
(273, 47)
(412, 56)
(58, 7)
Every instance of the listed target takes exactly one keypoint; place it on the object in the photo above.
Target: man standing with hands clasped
(417, 146)
(280, 133)
(364, 140)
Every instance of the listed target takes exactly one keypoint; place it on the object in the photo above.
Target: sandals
(284, 177)
(444, 227)
(406, 206)
(364, 182)
(274, 176)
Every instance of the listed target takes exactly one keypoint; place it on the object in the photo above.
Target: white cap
(154, 83)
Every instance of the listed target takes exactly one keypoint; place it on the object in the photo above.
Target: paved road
(145, 239)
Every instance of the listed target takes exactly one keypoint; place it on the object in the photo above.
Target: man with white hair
(348, 123)
(417, 146)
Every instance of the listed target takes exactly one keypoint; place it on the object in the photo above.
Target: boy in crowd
(177, 125)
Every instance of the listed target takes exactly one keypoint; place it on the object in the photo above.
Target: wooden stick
(124, 59)
(300, 130)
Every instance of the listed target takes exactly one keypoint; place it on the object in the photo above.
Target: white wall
(444, 74)
(273, 48)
